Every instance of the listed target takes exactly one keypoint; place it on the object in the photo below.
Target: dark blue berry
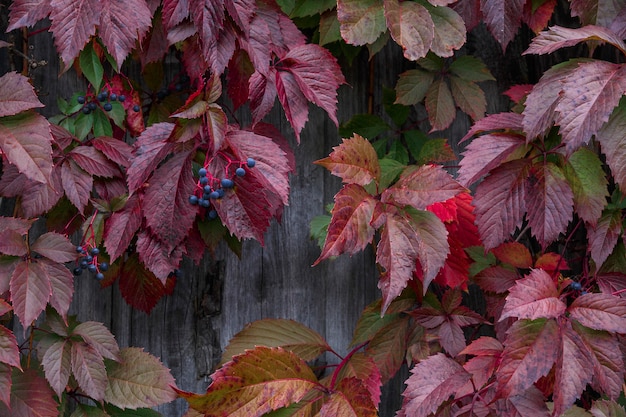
(576, 286)
(240, 172)
(92, 106)
(122, 98)
(91, 268)
(205, 203)
(136, 108)
(79, 249)
(250, 162)
(113, 97)
(102, 96)
(107, 107)
(99, 276)
(83, 264)
(94, 251)
(202, 172)
(207, 189)
(80, 99)
(103, 266)
(227, 183)
(89, 259)
(204, 180)
(77, 271)
(214, 195)
(193, 199)
(220, 193)
(86, 110)
(161, 94)
(212, 214)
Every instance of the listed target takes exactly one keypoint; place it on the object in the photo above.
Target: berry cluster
(104, 99)
(210, 188)
(89, 261)
(178, 86)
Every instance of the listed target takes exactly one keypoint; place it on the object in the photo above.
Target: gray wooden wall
(212, 302)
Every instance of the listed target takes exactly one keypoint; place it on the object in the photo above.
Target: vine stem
(343, 362)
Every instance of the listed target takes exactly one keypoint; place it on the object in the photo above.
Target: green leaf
(117, 114)
(587, 179)
(398, 113)
(469, 97)
(607, 408)
(449, 28)
(319, 228)
(362, 21)
(138, 380)
(366, 125)
(398, 152)
(471, 68)
(287, 334)
(91, 66)
(388, 347)
(427, 150)
(254, 383)
(372, 321)
(83, 125)
(140, 412)
(302, 8)
(101, 124)
(329, 28)
(412, 86)
(390, 169)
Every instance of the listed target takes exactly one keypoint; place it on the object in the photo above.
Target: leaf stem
(345, 360)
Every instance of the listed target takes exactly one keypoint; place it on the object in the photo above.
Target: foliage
(135, 174)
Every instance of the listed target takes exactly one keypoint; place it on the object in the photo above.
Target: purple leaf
(16, 95)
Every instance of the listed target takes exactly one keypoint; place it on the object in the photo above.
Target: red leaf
(77, 184)
(120, 228)
(16, 94)
(317, 73)
(405, 237)
(411, 26)
(469, 10)
(388, 347)
(600, 312)
(94, 162)
(612, 143)
(138, 286)
(240, 69)
(115, 150)
(604, 235)
(293, 101)
(538, 18)
(37, 198)
(500, 202)
(208, 18)
(154, 45)
(363, 368)
(553, 202)
(9, 351)
(485, 153)
(557, 37)
(432, 382)
(350, 398)
(30, 291)
(529, 354)
(12, 243)
(166, 205)
(518, 92)
(121, 25)
(88, 369)
(515, 254)
(496, 279)
(27, 12)
(263, 91)
(421, 187)
(57, 366)
(149, 150)
(25, 140)
(503, 18)
(21, 226)
(498, 122)
(354, 161)
(55, 246)
(533, 297)
(62, 284)
(73, 23)
(30, 396)
(156, 257)
(484, 346)
(349, 230)
(572, 369)
(589, 95)
(361, 22)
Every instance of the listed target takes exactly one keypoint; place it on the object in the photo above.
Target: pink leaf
(501, 202)
(364, 368)
(406, 237)
(589, 95)
(361, 21)
(56, 362)
(350, 398)
(149, 150)
(27, 12)
(529, 354)
(25, 140)
(94, 162)
(6, 381)
(73, 23)
(30, 291)
(573, 372)
(600, 312)
(12, 243)
(55, 246)
(88, 369)
(293, 101)
(354, 161)
(485, 153)
(99, 337)
(498, 122)
(533, 297)
(30, 396)
(77, 184)
(349, 230)
(432, 382)
(16, 95)
(166, 205)
(422, 187)
(557, 37)
(37, 198)
(411, 26)
(121, 227)
(62, 284)
(121, 25)
(613, 144)
(9, 351)
(553, 202)
(503, 18)
(604, 235)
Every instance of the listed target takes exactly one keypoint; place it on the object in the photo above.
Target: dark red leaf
(518, 93)
(240, 69)
(94, 162)
(31, 395)
(9, 351)
(156, 256)
(537, 18)
(138, 286)
(154, 45)
(293, 101)
(55, 246)
(166, 205)
(30, 291)
(77, 184)
(27, 12)
(37, 198)
(469, 10)
(263, 93)
(16, 95)
(503, 18)
(496, 279)
(73, 23)
(604, 235)
(149, 150)
(114, 149)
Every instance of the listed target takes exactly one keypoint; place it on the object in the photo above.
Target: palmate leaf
(557, 37)
(600, 312)
(432, 382)
(254, 383)
(533, 297)
(99, 337)
(362, 22)
(553, 202)
(469, 97)
(349, 230)
(503, 18)
(422, 186)
(590, 93)
(411, 26)
(354, 161)
(412, 86)
(287, 334)
(73, 23)
(148, 152)
(138, 380)
(16, 95)
(529, 353)
(407, 236)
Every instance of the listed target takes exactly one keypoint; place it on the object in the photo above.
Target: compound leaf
(99, 337)
(73, 23)
(440, 105)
